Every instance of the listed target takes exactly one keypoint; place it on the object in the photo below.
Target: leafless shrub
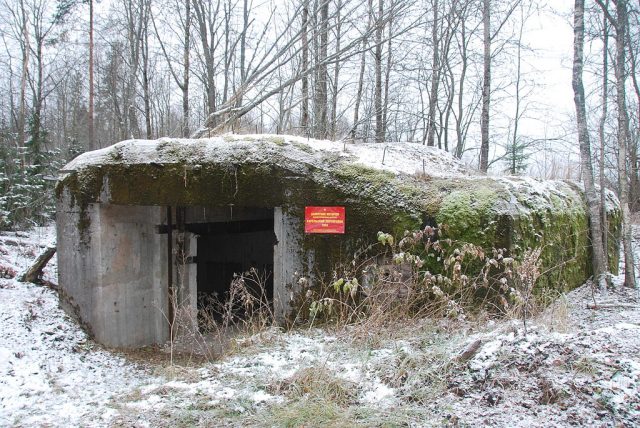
(556, 316)
(246, 308)
(208, 331)
(423, 276)
(526, 273)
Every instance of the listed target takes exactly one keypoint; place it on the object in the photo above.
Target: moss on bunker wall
(565, 259)
(470, 215)
(613, 241)
(257, 185)
(480, 211)
(487, 216)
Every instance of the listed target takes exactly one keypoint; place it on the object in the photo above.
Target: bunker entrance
(235, 266)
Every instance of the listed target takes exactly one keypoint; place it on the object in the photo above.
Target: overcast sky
(552, 35)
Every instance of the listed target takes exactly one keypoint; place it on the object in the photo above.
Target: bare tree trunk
(183, 83)
(321, 98)
(185, 70)
(435, 76)
(40, 32)
(206, 19)
(449, 107)
(243, 41)
(486, 87)
(227, 51)
(26, 47)
(304, 115)
(623, 132)
(635, 179)
(134, 36)
(387, 75)
(36, 119)
(92, 137)
(243, 52)
(463, 74)
(515, 153)
(601, 136)
(599, 263)
(356, 108)
(378, 69)
(336, 72)
(146, 10)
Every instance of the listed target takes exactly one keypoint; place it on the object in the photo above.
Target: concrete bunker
(142, 221)
(143, 264)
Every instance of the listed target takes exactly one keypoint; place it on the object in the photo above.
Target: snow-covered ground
(50, 373)
(575, 366)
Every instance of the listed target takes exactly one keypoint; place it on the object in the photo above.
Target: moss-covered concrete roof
(410, 176)
(391, 187)
(404, 158)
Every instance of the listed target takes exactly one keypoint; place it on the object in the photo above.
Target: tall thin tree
(623, 137)
(92, 133)
(601, 132)
(304, 115)
(599, 262)
(378, 69)
(486, 86)
(435, 75)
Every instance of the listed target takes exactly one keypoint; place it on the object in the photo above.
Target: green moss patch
(470, 215)
(515, 213)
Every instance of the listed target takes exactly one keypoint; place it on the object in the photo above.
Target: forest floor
(574, 366)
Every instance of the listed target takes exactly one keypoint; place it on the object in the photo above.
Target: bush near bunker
(422, 275)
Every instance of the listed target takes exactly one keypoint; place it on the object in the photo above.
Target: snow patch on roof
(398, 158)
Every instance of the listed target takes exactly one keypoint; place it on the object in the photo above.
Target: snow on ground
(574, 366)
(50, 373)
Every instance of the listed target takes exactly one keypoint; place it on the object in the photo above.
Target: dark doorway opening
(231, 249)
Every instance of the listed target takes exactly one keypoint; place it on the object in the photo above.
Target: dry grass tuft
(309, 413)
(317, 384)
(212, 331)
(555, 317)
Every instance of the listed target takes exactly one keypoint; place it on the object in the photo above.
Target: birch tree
(620, 22)
(488, 37)
(593, 202)
(486, 85)
(623, 138)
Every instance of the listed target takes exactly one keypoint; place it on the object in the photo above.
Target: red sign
(324, 219)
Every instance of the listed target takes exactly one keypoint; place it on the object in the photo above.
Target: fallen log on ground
(34, 273)
(612, 306)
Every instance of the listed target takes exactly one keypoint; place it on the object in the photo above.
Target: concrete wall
(196, 214)
(112, 262)
(114, 273)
